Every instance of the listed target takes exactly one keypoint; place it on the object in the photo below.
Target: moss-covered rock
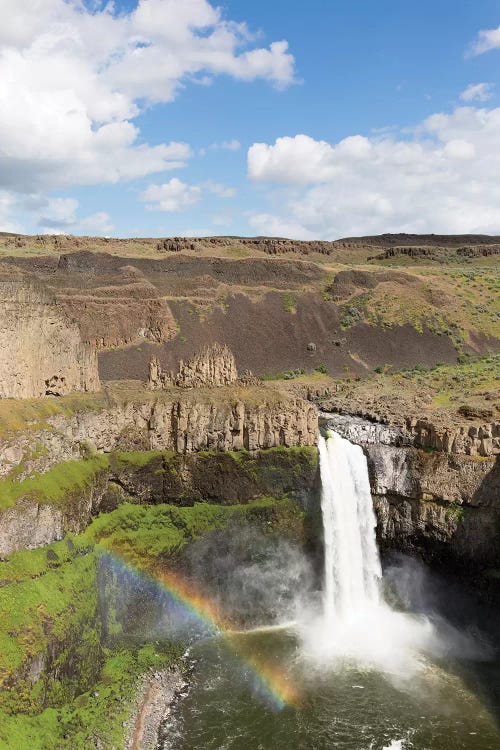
(69, 653)
(42, 507)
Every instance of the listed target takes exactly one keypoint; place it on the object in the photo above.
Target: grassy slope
(271, 470)
(434, 393)
(54, 588)
(456, 295)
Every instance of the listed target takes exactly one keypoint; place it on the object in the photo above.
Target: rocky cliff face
(214, 366)
(476, 440)
(181, 425)
(438, 503)
(243, 418)
(41, 352)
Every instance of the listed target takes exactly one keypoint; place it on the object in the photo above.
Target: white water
(352, 569)
(355, 623)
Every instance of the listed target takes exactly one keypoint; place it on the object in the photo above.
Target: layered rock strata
(439, 503)
(41, 351)
(181, 426)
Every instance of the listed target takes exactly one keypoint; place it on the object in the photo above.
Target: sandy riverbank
(155, 697)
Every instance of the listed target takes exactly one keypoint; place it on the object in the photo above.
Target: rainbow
(269, 682)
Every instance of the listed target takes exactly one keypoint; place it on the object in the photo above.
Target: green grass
(57, 609)
(148, 534)
(21, 414)
(49, 610)
(289, 303)
(95, 716)
(57, 485)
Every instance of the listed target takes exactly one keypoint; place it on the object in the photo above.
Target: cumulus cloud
(479, 92)
(8, 223)
(171, 196)
(177, 195)
(442, 177)
(73, 79)
(59, 216)
(486, 40)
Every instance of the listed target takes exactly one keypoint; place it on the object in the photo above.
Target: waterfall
(354, 622)
(352, 564)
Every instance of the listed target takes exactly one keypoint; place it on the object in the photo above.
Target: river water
(353, 673)
(346, 708)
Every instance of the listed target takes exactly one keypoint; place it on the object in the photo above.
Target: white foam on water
(355, 623)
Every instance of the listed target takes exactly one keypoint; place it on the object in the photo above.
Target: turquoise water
(341, 706)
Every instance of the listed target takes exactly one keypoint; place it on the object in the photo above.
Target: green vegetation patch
(20, 414)
(289, 303)
(48, 615)
(60, 686)
(56, 486)
(148, 535)
(96, 718)
(281, 469)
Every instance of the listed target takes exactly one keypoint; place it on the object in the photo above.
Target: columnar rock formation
(214, 366)
(185, 426)
(41, 352)
(441, 499)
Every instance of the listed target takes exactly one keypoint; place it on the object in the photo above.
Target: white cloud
(177, 195)
(222, 191)
(171, 196)
(98, 224)
(222, 220)
(58, 214)
(479, 92)
(294, 160)
(7, 207)
(442, 177)
(232, 145)
(72, 80)
(60, 217)
(485, 41)
(276, 226)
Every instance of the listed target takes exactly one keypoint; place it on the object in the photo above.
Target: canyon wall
(56, 475)
(438, 503)
(41, 352)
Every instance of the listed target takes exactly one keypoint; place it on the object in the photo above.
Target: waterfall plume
(352, 569)
(354, 622)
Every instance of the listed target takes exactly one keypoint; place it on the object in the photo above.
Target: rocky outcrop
(32, 522)
(476, 440)
(438, 503)
(181, 425)
(214, 366)
(41, 351)
(470, 440)
(115, 309)
(184, 426)
(36, 519)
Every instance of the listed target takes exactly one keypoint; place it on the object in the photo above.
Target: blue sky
(144, 120)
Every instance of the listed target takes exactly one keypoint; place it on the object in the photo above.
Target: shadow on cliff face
(469, 623)
(489, 489)
(462, 537)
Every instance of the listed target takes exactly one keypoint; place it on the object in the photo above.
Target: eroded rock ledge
(473, 440)
(56, 474)
(435, 502)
